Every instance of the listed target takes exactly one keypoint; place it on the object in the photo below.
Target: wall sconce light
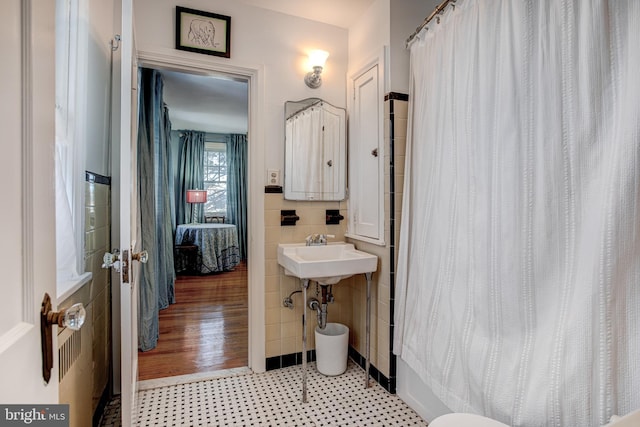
(317, 58)
(196, 197)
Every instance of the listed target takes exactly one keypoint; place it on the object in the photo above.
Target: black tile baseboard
(386, 383)
(286, 360)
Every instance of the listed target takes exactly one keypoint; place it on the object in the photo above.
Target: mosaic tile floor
(271, 399)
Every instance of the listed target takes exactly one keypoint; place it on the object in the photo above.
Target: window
(215, 178)
(69, 152)
(71, 41)
(67, 58)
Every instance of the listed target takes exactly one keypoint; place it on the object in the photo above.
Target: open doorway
(207, 327)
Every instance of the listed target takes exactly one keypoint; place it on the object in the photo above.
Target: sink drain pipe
(321, 312)
(321, 308)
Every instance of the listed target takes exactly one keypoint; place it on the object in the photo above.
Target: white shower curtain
(306, 126)
(518, 289)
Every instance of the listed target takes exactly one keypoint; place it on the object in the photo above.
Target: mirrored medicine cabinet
(315, 151)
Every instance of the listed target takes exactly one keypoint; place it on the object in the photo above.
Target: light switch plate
(273, 177)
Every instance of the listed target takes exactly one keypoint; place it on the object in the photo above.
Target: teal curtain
(157, 278)
(190, 175)
(237, 188)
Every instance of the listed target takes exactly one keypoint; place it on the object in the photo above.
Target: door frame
(255, 219)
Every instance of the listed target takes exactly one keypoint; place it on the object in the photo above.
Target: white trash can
(332, 349)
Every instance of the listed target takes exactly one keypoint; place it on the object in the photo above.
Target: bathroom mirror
(315, 150)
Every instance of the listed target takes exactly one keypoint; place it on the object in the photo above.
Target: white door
(366, 157)
(125, 197)
(27, 218)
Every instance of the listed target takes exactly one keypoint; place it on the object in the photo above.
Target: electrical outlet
(273, 177)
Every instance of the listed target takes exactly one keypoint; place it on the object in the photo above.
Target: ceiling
(216, 104)
(220, 104)
(341, 13)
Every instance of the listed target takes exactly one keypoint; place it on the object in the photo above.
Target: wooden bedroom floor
(206, 330)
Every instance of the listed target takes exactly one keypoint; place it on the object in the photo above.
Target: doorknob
(112, 260)
(72, 318)
(142, 256)
(118, 263)
(374, 152)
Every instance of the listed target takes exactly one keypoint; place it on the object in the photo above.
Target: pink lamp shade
(196, 196)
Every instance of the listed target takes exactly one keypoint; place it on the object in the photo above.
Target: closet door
(366, 156)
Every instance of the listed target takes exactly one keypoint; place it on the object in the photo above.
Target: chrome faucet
(317, 239)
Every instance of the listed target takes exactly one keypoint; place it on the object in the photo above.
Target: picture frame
(203, 32)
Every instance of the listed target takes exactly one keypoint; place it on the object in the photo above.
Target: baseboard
(286, 360)
(388, 384)
(102, 404)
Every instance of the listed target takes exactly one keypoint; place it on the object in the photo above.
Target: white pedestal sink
(327, 265)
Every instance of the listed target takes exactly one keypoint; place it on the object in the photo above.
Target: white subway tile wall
(85, 381)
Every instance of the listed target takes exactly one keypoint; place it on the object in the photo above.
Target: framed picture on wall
(203, 32)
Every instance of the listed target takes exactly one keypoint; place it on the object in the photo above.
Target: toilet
(471, 420)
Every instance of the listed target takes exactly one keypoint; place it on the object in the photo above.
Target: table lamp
(196, 197)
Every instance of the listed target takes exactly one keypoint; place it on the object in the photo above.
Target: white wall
(388, 23)
(276, 41)
(369, 35)
(406, 16)
(100, 27)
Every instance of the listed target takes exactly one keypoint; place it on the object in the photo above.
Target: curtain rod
(439, 9)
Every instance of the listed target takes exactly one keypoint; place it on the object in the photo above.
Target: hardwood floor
(206, 330)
